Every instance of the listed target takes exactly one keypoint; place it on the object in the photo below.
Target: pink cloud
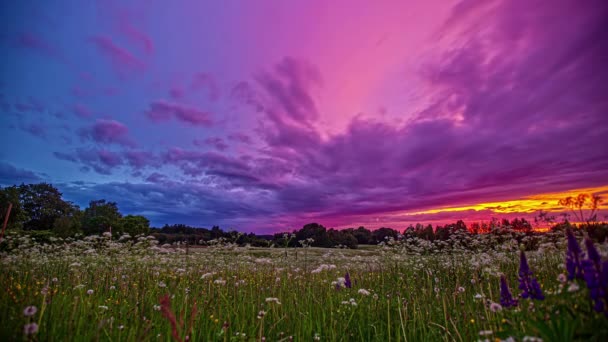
(124, 62)
(122, 19)
(137, 37)
(244, 94)
(162, 110)
(217, 143)
(290, 87)
(240, 137)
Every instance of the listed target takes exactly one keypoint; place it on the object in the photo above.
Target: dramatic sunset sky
(267, 115)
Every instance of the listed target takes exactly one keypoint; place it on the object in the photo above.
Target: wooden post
(8, 213)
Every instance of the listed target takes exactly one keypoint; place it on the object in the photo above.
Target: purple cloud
(122, 20)
(141, 159)
(82, 111)
(102, 161)
(137, 37)
(156, 177)
(243, 93)
(124, 62)
(108, 132)
(10, 174)
(162, 110)
(36, 43)
(240, 137)
(217, 143)
(289, 88)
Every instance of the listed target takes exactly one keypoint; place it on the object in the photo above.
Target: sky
(266, 115)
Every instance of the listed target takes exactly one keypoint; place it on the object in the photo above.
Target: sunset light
(528, 204)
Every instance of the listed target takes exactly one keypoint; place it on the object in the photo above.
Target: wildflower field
(474, 287)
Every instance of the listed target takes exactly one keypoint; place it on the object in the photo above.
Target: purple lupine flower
(524, 269)
(527, 284)
(506, 299)
(595, 277)
(573, 257)
(603, 280)
(592, 279)
(347, 282)
(592, 253)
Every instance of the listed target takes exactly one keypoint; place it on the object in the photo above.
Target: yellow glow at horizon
(528, 204)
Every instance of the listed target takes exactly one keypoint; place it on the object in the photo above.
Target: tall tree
(42, 204)
(99, 216)
(135, 224)
(70, 224)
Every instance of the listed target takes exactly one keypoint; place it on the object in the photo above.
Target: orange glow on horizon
(527, 204)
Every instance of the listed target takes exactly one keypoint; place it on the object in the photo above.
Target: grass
(220, 294)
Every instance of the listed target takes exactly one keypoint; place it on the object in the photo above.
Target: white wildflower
(207, 275)
(573, 287)
(341, 281)
(273, 300)
(495, 307)
(532, 339)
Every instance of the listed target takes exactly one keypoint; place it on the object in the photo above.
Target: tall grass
(412, 297)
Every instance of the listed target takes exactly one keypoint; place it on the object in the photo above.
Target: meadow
(132, 289)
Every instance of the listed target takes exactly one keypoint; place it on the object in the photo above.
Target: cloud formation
(162, 110)
(108, 132)
(124, 63)
(495, 104)
(10, 173)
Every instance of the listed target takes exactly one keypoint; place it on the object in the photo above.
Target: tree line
(40, 209)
